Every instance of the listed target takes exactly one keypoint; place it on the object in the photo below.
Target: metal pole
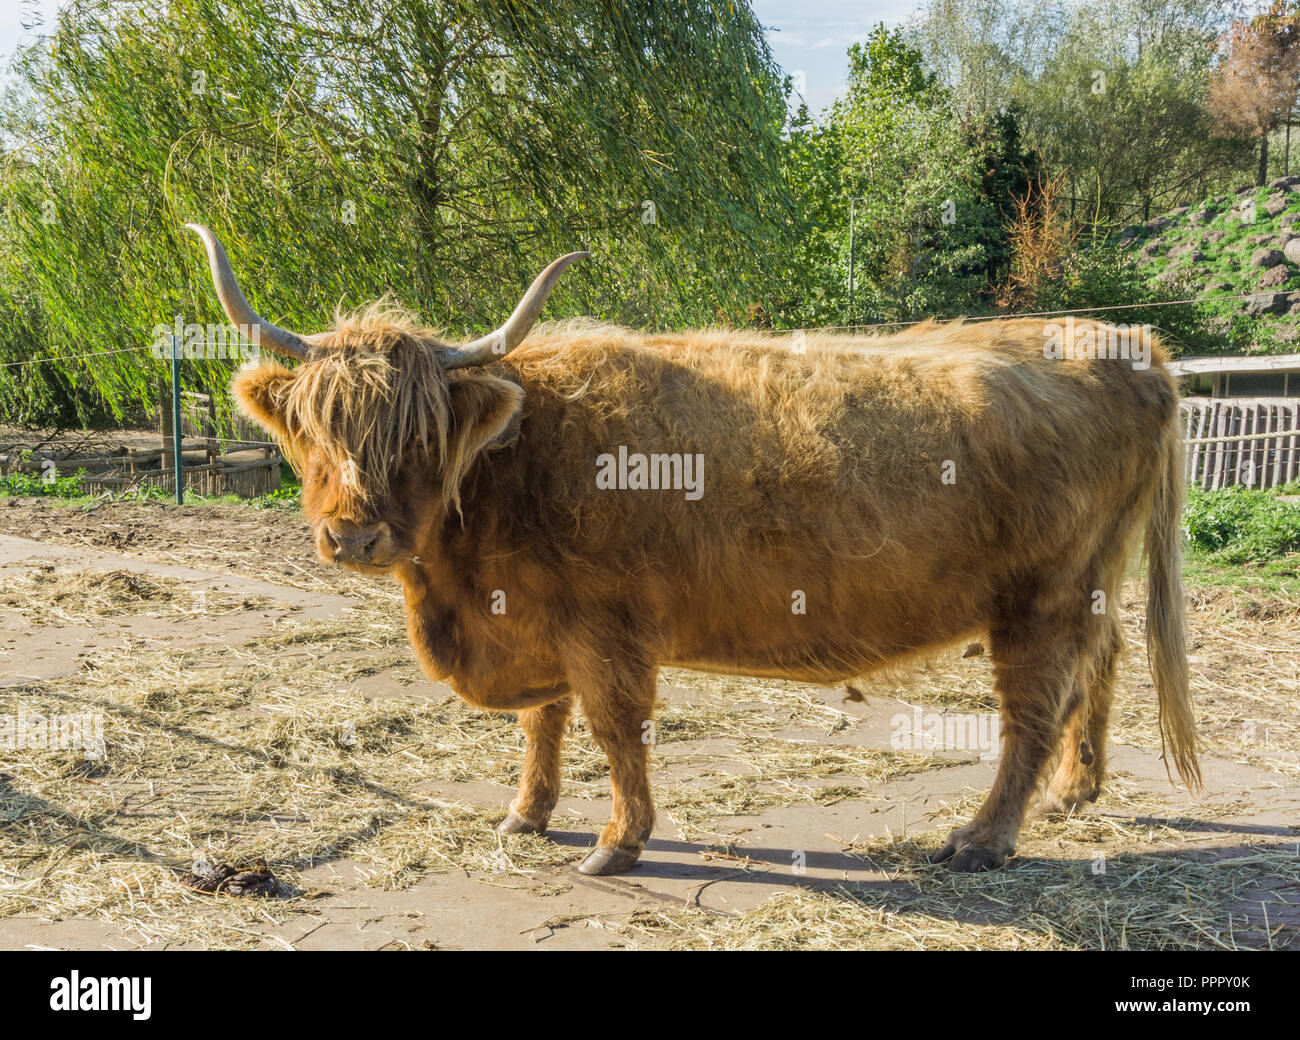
(916, 256)
(177, 457)
(852, 315)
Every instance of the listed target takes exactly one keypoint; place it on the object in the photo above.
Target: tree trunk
(1263, 160)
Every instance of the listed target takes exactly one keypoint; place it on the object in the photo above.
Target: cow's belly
(823, 643)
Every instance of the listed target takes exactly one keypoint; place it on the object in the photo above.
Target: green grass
(1241, 525)
(33, 484)
(1274, 577)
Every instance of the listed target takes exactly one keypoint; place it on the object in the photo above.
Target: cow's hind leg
(1035, 657)
(539, 786)
(619, 706)
(1079, 776)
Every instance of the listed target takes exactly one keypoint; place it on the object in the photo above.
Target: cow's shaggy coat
(864, 501)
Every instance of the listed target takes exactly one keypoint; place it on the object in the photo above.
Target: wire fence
(1237, 297)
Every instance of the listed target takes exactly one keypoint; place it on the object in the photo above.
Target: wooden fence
(246, 464)
(1253, 441)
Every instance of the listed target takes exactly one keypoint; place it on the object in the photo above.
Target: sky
(809, 38)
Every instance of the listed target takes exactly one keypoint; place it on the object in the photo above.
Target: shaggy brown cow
(863, 501)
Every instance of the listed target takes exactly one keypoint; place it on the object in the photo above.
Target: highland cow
(864, 500)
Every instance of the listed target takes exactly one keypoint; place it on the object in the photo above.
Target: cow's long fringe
(372, 397)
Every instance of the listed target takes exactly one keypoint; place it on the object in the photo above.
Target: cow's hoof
(608, 859)
(966, 857)
(514, 824)
(975, 858)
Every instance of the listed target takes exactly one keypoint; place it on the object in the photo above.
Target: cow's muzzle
(370, 545)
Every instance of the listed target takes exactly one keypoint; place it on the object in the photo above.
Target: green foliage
(927, 192)
(70, 487)
(441, 150)
(1103, 276)
(287, 497)
(444, 151)
(1240, 525)
(1113, 95)
(34, 484)
(1222, 247)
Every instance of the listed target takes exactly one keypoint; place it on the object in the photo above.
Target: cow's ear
(484, 414)
(260, 392)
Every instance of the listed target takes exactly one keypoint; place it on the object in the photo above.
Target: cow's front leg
(618, 712)
(539, 786)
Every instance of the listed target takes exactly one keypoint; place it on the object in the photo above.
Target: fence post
(177, 434)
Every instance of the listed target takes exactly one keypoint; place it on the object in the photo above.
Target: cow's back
(860, 498)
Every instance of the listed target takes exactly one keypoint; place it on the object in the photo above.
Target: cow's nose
(354, 544)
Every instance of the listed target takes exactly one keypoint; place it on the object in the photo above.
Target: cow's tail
(1166, 613)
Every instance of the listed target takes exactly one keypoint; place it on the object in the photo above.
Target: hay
(259, 751)
(243, 755)
(47, 595)
(1140, 902)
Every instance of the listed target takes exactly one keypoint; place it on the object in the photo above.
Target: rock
(1178, 211)
(1248, 189)
(1275, 277)
(1281, 183)
(1216, 289)
(1286, 333)
(1292, 250)
(1267, 303)
(1266, 258)
(1275, 205)
(1187, 249)
(1201, 216)
(1289, 218)
(1157, 224)
(1150, 249)
(1215, 235)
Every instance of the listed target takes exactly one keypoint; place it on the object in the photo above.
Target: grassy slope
(1225, 269)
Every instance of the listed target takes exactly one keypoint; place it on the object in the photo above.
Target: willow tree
(440, 150)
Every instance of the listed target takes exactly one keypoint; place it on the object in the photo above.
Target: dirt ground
(256, 705)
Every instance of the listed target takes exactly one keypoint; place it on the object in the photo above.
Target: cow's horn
(500, 343)
(282, 341)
